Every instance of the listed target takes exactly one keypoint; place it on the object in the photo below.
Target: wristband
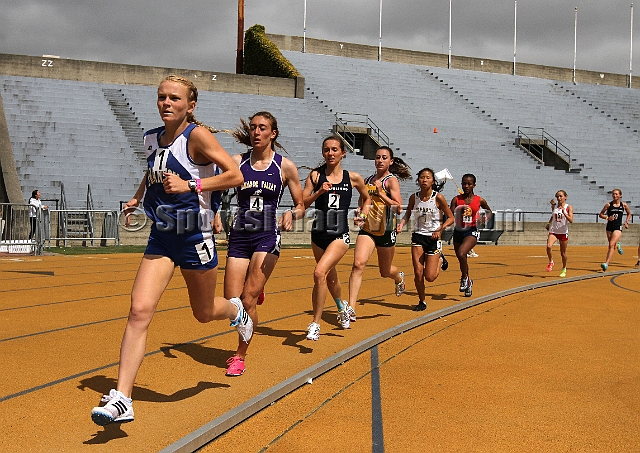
(199, 185)
(363, 216)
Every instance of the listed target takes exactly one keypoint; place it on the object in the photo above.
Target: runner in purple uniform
(254, 239)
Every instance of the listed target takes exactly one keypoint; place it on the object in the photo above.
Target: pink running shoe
(261, 297)
(236, 366)
(550, 267)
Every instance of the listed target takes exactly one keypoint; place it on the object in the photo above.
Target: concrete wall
(95, 71)
(533, 233)
(343, 49)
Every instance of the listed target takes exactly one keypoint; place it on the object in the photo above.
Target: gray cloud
(202, 35)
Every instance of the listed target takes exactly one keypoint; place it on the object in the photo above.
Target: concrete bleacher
(408, 103)
(585, 128)
(65, 131)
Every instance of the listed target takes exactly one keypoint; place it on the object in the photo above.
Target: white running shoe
(343, 319)
(400, 285)
(352, 313)
(118, 409)
(313, 331)
(472, 254)
(243, 322)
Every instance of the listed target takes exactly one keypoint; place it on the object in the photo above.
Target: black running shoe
(445, 264)
(420, 307)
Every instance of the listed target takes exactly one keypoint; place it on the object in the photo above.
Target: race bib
(334, 200)
(256, 203)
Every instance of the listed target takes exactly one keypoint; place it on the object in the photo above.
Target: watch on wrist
(192, 185)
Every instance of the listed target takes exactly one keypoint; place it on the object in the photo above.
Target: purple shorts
(243, 244)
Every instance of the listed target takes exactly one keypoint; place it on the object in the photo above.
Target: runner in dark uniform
(331, 188)
(613, 212)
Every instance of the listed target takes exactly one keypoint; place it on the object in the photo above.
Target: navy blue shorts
(191, 250)
(243, 244)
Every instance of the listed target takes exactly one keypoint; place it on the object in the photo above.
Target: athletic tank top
(426, 215)
(466, 216)
(618, 213)
(166, 209)
(332, 207)
(559, 224)
(380, 218)
(259, 196)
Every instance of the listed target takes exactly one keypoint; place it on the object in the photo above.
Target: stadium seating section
(73, 132)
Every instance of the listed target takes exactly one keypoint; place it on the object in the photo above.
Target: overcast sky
(198, 34)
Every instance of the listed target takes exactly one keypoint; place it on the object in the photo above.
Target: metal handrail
(90, 218)
(363, 119)
(558, 148)
(349, 137)
(86, 213)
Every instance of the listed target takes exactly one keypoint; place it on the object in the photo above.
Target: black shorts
(388, 239)
(323, 240)
(429, 245)
(459, 235)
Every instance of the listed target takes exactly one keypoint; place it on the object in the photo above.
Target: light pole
(515, 27)
(239, 59)
(631, 49)
(380, 35)
(449, 59)
(304, 28)
(575, 45)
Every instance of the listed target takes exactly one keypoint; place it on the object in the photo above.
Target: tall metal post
(304, 28)
(631, 49)
(575, 45)
(380, 35)
(449, 59)
(515, 35)
(239, 58)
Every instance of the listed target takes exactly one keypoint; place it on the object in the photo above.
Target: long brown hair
(243, 133)
(399, 167)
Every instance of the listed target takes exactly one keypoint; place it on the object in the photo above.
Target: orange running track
(531, 362)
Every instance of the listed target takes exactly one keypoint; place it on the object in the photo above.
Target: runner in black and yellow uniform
(378, 230)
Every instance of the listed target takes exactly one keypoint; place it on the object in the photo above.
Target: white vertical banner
(304, 28)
